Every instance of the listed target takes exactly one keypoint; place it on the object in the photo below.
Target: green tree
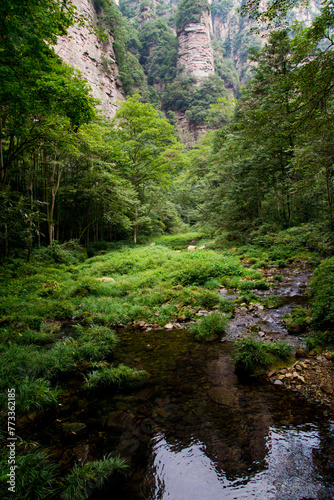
(148, 147)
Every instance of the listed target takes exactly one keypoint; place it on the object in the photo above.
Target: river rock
(301, 353)
(278, 382)
(141, 325)
(202, 313)
(169, 326)
(77, 429)
(326, 389)
(182, 318)
(81, 452)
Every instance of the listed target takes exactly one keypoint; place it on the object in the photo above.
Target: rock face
(95, 58)
(195, 55)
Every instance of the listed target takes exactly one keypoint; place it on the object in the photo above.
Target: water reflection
(181, 473)
(195, 432)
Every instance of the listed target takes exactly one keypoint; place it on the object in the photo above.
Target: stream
(195, 432)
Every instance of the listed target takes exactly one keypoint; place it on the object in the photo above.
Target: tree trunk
(2, 166)
(135, 229)
(330, 196)
(32, 204)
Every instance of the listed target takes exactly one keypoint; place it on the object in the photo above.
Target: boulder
(300, 353)
(191, 248)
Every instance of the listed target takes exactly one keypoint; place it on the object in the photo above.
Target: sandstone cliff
(95, 59)
(195, 55)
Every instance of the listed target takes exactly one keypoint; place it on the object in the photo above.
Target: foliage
(38, 477)
(190, 11)
(253, 355)
(158, 53)
(183, 95)
(91, 475)
(147, 146)
(119, 376)
(209, 327)
(220, 8)
(322, 301)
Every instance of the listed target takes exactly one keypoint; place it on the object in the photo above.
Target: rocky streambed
(312, 375)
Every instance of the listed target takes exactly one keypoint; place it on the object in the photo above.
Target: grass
(119, 376)
(57, 320)
(209, 327)
(252, 356)
(35, 477)
(92, 475)
(38, 476)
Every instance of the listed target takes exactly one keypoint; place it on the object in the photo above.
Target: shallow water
(195, 432)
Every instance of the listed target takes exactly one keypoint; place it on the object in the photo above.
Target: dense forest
(68, 173)
(96, 213)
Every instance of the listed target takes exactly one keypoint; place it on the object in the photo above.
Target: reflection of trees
(205, 406)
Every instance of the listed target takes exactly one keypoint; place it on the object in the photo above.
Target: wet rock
(162, 412)
(67, 459)
(326, 389)
(81, 452)
(147, 426)
(182, 318)
(296, 329)
(141, 325)
(77, 429)
(128, 447)
(202, 313)
(301, 353)
(278, 382)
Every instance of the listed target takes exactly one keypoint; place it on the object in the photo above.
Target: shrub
(322, 302)
(209, 327)
(253, 355)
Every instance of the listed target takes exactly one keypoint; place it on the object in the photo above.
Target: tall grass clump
(92, 475)
(36, 476)
(209, 327)
(251, 356)
(114, 376)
